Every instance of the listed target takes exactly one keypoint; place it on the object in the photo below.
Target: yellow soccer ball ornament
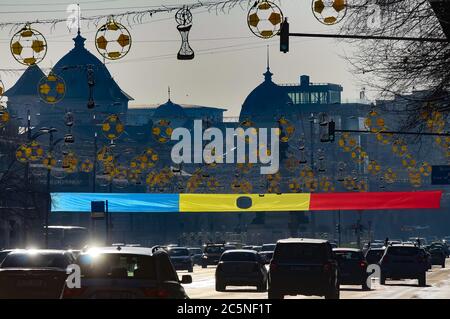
(162, 131)
(4, 117)
(264, 19)
(28, 46)
(52, 89)
(329, 12)
(87, 166)
(113, 127)
(113, 40)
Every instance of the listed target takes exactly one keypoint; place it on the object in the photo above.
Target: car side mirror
(186, 280)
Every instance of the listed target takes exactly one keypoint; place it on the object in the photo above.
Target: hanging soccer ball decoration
(28, 46)
(113, 128)
(52, 89)
(265, 19)
(113, 40)
(87, 166)
(329, 12)
(162, 131)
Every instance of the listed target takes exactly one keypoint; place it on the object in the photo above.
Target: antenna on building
(79, 19)
(168, 91)
(268, 58)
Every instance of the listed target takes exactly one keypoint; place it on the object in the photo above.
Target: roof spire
(169, 93)
(79, 19)
(268, 74)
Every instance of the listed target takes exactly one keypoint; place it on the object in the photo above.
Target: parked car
(304, 266)
(437, 256)
(404, 262)
(352, 267)
(442, 245)
(212, 254)
(374, 255)
(196, 254)
(127, 273)
(34, 274)
(181, 258)
(241, 268)
(266, 252)
(250, 247)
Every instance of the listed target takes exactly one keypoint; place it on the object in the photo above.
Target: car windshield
(300, 253)
(268, 247)
(403, 251)
(348, 255)
(195, 251)
(39, 260)
(214, 249)
(118, 266)
(178, 252)
(238, 256)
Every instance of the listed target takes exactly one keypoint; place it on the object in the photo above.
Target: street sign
(440, 175)
(98, 210)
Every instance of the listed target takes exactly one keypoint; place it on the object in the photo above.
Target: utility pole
(313, 216)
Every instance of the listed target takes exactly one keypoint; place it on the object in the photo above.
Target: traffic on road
(289, 268)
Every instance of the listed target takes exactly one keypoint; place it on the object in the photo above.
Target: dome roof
(73, 68)
(170, 110)
(266, 102)
(27, 83)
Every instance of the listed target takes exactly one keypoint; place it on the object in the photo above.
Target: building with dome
(74, 68)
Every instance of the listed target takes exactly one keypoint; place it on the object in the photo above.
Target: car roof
(119, 250)
(38, 251)
(347, 249)
(376, 249)
(174, 248)
(302, 241)
(241, 251)
(403, 245)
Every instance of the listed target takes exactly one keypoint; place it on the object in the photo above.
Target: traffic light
(332, 131)
(284, 36)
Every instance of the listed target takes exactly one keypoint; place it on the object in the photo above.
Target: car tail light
(273, 266)
(327, 267)
(155, 293)
(363, 264)
(73, 293)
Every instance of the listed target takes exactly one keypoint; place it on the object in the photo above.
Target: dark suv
(404, 262)
(212, 254)
(303, 267)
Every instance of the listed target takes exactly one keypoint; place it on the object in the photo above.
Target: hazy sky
(229, 61)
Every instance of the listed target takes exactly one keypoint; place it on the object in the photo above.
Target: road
(438, 287)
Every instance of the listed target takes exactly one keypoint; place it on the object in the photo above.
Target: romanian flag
(229, 203)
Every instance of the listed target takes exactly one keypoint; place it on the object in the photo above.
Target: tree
(394, 68)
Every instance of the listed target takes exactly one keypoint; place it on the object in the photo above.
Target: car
(352, 267)
(437, 256)
(3, 255)
(404, 262)
(127, 273)
(212, 254)
(250, 247)
(442, 245)
(241, 268)
(266, 252)
(303, 266)
(34, 274)
(374, 255)
(196, 254)
(181, 258)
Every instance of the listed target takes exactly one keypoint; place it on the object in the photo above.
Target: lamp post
(51, 145)
(312, 121)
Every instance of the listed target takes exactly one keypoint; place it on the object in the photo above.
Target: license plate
(30, 283)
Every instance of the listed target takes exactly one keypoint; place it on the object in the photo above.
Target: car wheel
(443, 264)
(365, 287)
(423, 280)
(382, 280)
(204, 266)
(220, 287)
(275, 295)
(191, 269)
(262, 287)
